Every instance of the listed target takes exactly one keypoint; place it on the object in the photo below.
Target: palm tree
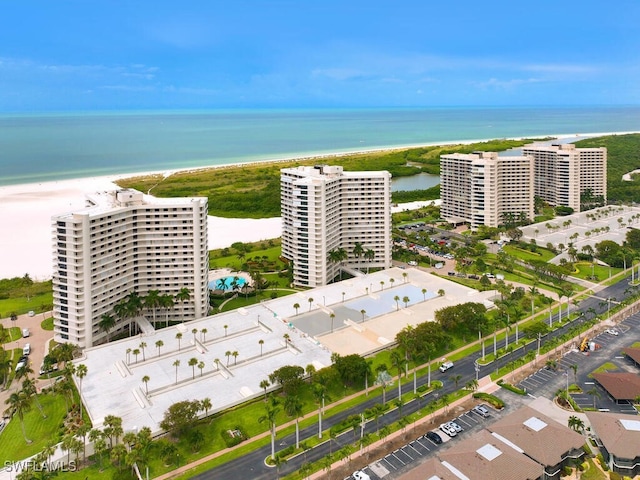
(381, 285)
(261, 343)
(235, 354)
(227, 354)
(166, 302)
(200, 366)
(575, 424)
(81, 372)
(456, 379)
(398, 361)
(296, 306)
(406, 301)
(320, 394)
(225, 329)
(369, 256)
(217, 362)
(176, 364)
(29, 389)
(424, 294)
(397, 299)
(136, 352)
(358, 250)
(192, 363)
(293, 407)
(195, 332)
(178, 337)
(338, 255)
(441, 292)
(594, 394)
(392, 281)
(264, 384)
(159, 344)
(145, 380)
(184, 295)
(19, 404)
(203, 334)
(271, 412)
(142, 346)
(152, 302)
(332, 316)
(106, 323)
(363, 312)
(205, 404)
(310, 302)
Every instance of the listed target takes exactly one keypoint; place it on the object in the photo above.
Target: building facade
(563, 173)
(483, 188)
(324, 210)
(124, 242)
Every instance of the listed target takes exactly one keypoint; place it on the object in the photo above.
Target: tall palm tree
(235, 356)
(406, 301)
(261, 343)
(192, 363)
(178, 337)
(142, 346)
(370, 256)
(159, 344)
(81, 372)
(271, 412)
(184, 295)
(201, 366)
(152, 302)
(166, 302)
(206, 405)
(264, 384)
(338, 255)
(310, 302)
(358, 250)
(228, 354)
(29, 389)
(293, 407)
(203, 335)
(296, 306)
(176, 364)
(106, 323)
(396, 298)
(19, 404)
(145, 380)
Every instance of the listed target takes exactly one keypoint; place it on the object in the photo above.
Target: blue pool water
(226, 283)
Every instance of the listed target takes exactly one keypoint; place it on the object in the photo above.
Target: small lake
(422, 181)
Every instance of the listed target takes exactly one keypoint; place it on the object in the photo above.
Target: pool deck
(257, 333)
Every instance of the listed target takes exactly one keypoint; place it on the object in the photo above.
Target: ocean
(45, 147)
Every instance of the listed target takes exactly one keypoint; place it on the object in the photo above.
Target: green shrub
(492, 399)
(511, 388)
(587, 449)
(285, 452)
(615, 476)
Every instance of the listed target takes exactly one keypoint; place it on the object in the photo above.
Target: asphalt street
(254, 462)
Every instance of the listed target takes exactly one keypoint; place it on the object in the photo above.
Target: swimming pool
(226, 283)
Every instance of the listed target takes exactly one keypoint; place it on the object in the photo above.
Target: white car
(612, 331)
(360, 475)
(481, 410)
(455, 426)
(448, 429)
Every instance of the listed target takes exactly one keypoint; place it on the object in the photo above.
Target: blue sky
(97, 55)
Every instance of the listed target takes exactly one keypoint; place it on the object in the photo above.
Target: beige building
(325, 209)
(124, 242)
(563, 172)
(483, 188)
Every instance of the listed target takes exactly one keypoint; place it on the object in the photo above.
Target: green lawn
(39, 430)
(523, 254)
(47, 324)
(605, 367)
(22, 305)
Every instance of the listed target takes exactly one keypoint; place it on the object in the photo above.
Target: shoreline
(27, 209)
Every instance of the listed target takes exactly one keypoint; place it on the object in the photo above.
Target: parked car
(611, 331)
(445, 366)
(481, 410)
(448, 429)
(413, 263)
(360, 475)
(434, 437)
(26, 350)
(25, 332)
(21, 364)
(455, 426)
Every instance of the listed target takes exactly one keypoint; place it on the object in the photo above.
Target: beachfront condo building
(124, 246)
(483, 188)
(563, 173)
(333, 220)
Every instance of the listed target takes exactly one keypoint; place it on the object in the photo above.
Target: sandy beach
(26, 211)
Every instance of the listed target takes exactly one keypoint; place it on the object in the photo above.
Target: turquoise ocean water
(36, 148)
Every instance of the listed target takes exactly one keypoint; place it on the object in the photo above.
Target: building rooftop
(619, 433)
(113, 385)
(621, 386)
(483, 457)
(531, 431)
(633, 353)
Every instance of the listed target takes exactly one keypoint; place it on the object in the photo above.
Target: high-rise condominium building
(563, 173)
(484, 189)
(324, 210)
(124, 242)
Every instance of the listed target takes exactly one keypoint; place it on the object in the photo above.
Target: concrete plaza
(114, 386)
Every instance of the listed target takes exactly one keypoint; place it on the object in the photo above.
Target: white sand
(26, 211)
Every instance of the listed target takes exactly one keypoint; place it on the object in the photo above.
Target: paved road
(254, 461)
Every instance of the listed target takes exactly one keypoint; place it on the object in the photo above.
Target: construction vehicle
(584, 345)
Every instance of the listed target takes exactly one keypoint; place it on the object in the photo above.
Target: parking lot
(406, 457)
(546, 381)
